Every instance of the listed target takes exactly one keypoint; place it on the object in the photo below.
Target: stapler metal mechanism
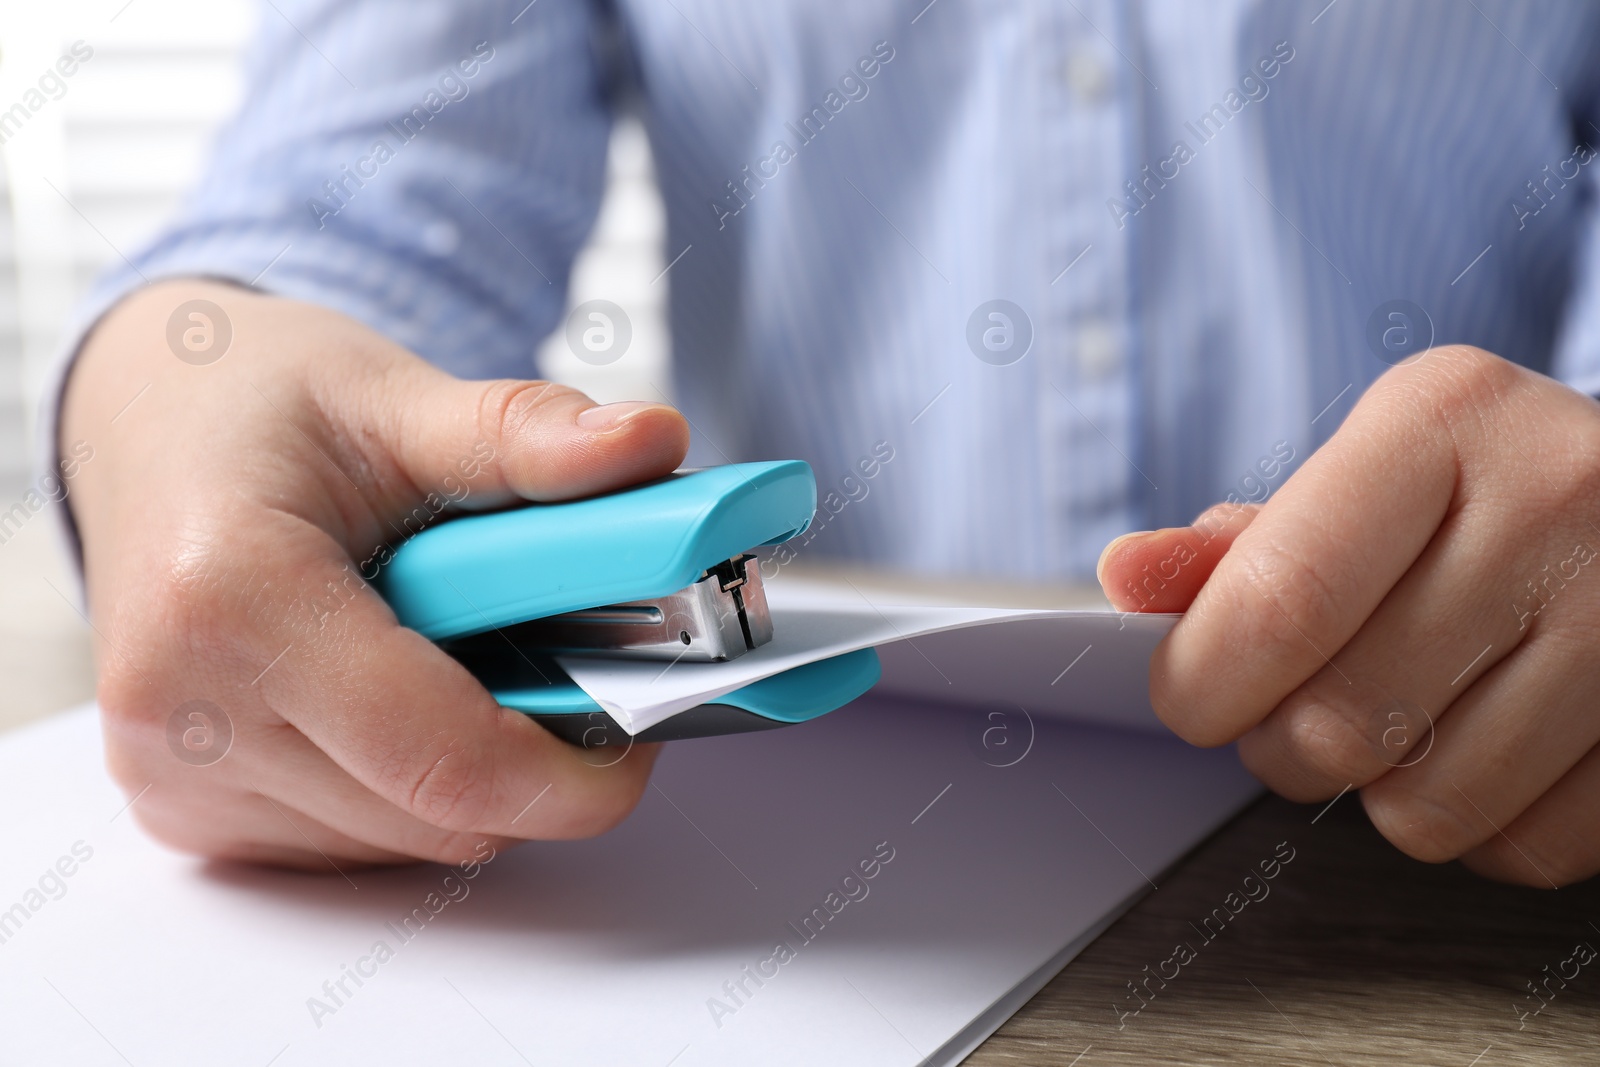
(661, 571)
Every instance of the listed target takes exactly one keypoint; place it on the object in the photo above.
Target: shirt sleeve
(428, 169)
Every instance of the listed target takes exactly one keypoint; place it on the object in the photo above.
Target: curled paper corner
(621, 714)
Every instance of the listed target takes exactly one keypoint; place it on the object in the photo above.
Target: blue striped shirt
(1210, 227)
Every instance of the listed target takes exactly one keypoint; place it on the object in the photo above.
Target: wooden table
(1358, 955)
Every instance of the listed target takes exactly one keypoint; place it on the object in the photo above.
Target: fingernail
(610, 416)
(1105, 553)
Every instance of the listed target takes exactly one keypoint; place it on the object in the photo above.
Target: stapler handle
(488, 574)
(482, 572)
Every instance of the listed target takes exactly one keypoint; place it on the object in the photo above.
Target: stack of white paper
(1018, 655)
(729, 921)
(882, 886)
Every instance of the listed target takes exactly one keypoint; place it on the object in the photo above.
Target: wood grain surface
(1354, 955)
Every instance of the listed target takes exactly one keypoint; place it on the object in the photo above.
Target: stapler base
(596, 729)
(538, 687)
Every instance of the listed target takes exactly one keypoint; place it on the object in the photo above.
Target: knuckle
(188, 594)
(138, 685)
(508, 406)
(169, 636)
(451, 788)
(1455, 382)
(1329, 741)
(1470, 366)
(1301, 598)
(1420, 826)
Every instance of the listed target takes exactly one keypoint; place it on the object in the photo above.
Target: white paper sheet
(811, 622)
(1086, 666)
(609, 951)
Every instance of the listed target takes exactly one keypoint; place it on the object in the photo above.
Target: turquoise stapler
(662, 571)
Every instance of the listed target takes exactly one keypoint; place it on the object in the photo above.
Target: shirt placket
(1086, 415)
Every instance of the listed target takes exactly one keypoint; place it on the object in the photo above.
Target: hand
(1415, 613)
(229, 518)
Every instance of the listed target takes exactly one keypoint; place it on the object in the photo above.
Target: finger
(1375, 706)
(250, 828)
(493, 442)
(394, 712)
(1507, 741)
(1163, 570)
(411, 724)
(1324, 552)
(298, 770)
(1556, 841)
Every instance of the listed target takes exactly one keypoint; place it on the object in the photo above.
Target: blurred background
(89, 176)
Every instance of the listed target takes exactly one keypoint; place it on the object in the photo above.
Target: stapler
(660, 571)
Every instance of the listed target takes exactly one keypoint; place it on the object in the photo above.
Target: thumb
(1163, 570)
(508, 440)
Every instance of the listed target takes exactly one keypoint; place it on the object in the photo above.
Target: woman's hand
(250, 455)
(1415, 614)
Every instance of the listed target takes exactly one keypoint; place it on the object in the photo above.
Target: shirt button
(1086, 76)
(1096, 351)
